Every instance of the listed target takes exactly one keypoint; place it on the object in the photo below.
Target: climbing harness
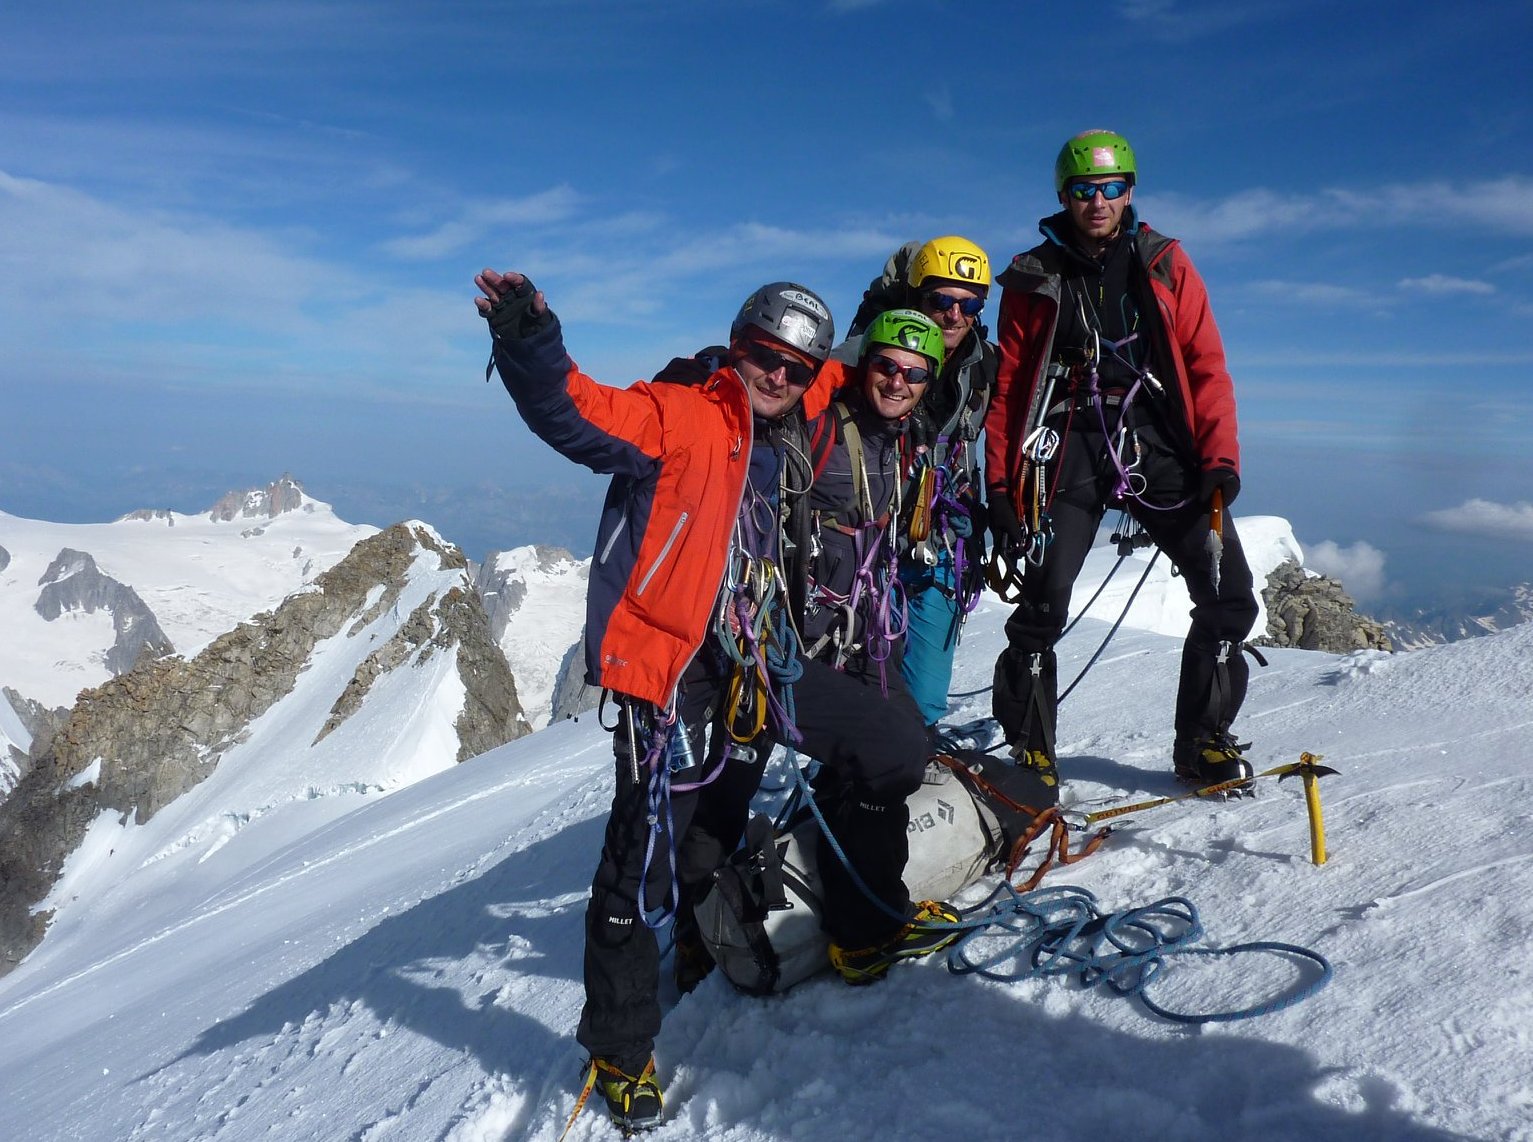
(874, 605)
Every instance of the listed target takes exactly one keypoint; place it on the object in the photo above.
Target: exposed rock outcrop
(1314, 612)
(41, 724)
(139, 741)
(73, 582)
(150, 514)
(572, 694)
(285, 494)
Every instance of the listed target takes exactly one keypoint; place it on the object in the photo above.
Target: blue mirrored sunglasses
(769, 361)
(1086, 191)
(938, 302)
(889, 367)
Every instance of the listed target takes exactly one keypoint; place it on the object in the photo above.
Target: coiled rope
(1060, 931)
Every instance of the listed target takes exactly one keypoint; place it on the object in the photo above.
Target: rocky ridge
(1314, 612)
(134, 744)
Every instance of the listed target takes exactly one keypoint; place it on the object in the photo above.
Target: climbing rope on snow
(1060, 931)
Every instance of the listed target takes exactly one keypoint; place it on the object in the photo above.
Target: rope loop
(1060, 931)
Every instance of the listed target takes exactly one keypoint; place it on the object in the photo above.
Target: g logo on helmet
(911, 335)
(965, 267)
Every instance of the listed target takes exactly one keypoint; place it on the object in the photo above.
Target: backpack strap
(855, 453)
(822, 442)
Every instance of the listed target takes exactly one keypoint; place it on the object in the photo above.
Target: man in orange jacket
(1113, 391)
(688, 623)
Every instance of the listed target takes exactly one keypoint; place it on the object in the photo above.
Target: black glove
(1223, 478)
(512, 319)
(696, 369)
(978, 521)
(1004, 525)
(683, 371)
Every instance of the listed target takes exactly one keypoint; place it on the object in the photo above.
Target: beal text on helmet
(808, 301)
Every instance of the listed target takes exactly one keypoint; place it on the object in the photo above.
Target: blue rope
(1065, 933)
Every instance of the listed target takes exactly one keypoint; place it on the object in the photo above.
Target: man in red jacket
(1113, 391)
(689, 620)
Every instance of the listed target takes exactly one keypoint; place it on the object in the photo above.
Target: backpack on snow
(972, 814)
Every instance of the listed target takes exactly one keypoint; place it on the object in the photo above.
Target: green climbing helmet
(906, 329)
(1094, 153)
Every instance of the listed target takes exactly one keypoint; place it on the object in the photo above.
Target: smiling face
(1096, 217)
(886, 384)
(951, 319)
(775, 374)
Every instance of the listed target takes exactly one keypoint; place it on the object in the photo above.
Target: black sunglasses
(769, 360)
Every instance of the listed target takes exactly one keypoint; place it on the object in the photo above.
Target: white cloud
(1313, 293)
(1485, 518)
(1171, 22)
(68, 254)
(1359, 566)
(477, 221)
(1243, 214)
(1505, 208)
(1443, 284)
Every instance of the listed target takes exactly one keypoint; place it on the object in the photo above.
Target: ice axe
(1214, 544)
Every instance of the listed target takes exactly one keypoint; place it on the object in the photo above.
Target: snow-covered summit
(1162, 604)
(284, 494)
(535, 598)
(196, 576)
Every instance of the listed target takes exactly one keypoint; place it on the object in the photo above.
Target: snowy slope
(407, 967)
(535, 597)
(13, 734)
(199, 575)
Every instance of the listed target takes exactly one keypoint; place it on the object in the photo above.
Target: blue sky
(238, 240)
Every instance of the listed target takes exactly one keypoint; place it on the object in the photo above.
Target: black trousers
(1210, 691)
(873, 753)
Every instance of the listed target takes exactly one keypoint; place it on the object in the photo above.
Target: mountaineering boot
(693, 962)
(1041, 763)
(633, 1101)
(926, 932)
(1211, 760)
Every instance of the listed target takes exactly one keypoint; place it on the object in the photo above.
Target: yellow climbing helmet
(951, 260)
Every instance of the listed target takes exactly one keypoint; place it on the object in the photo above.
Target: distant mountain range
(1481, 615)
(83, 604)
(145, 661)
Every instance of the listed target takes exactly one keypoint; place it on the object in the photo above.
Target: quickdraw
(875, 604)
(876, 599)
(751, 596)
